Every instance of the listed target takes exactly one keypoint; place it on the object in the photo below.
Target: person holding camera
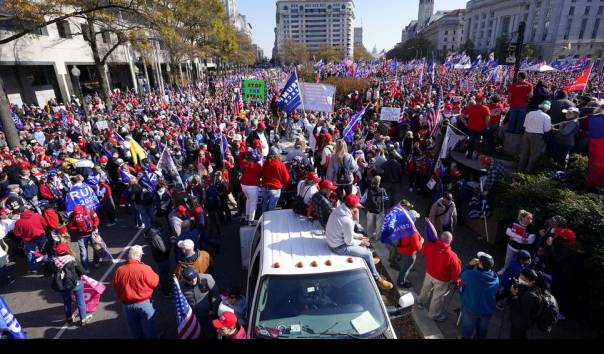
(478, 296)
(527, 292)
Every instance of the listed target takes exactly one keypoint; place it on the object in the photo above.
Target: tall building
(358, 37)
(556, 29)
(426, 9)
(445, 31)
(315, 23)
(230, 9)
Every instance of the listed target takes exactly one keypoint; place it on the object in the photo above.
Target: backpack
(64, 279)
(342, 176)
(547, 317)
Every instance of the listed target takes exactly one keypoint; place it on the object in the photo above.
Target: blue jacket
(479, 290)
(512, 271)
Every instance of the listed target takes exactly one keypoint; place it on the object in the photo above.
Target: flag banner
(188, 326)
(316, 97)
(9, 323)
(399, 223)
(92, 293)
(149, 179)
(580, 83)
(17, 120)
(138, 154)
(431, 234)
(81, 195)
(451, 140)
(390, 114)
(290, 98)
(434, 117)
(349, 130)
(167, 164)
(595, 170)
(253, 90)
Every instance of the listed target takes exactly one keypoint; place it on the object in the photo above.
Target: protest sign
(253, 90)
(390, 114)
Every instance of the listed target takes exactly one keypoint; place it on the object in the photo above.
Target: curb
(427, 328)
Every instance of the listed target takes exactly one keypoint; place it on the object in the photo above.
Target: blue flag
(354, 121)
(290, 97)
(399, 223)
(149, 179)
(431, 235)
(81, 195)
(17, 120)
(9, 323)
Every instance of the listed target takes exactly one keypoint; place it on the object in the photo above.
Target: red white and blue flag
(399, 223)
(580, 83)
(188, 326)
(434, 114)
(595, 170)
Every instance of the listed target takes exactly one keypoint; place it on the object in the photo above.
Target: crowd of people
(230, 158)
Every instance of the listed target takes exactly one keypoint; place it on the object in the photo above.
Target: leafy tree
(415, 48)
(470, 48)
(293, 52)
(360, 53)
(501, 49)
(328, 53)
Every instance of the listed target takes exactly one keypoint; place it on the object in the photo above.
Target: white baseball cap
(571, 109)
(186, 244)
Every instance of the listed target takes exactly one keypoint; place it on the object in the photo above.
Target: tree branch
(113, 48)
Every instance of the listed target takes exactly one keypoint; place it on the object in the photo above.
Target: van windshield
(328, 305)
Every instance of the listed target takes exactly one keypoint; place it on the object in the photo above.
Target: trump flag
(9, 323)
(92, 293)
(399, 223)
(580, 83)
(595, 170)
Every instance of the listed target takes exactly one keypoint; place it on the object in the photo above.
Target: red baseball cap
(181, 209)
(327, 184)
(227, 320)
(4, 211)
(261, 125)
(312, 176)
(352, 201)
(62, 248)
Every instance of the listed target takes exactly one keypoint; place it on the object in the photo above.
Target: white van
(298, 288)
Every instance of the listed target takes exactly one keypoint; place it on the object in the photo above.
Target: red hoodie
(80, 223)
(441, 262)
(30, 226)
(274, 174)
(52, 218)
(44, 192)
(252, 171)
(410, 245)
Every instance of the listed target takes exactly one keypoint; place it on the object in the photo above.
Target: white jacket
(340, 228)
(6, 226)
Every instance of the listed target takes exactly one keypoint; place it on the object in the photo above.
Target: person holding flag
(290, 98)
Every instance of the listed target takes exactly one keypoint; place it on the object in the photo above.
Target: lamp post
(75, 72)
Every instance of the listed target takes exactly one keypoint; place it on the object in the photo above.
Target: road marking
(118, 260)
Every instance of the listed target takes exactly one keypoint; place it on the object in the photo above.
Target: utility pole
(515, 50)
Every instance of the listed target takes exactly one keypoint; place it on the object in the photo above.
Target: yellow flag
(138, 154)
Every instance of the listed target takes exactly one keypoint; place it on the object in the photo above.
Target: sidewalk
(466, 245)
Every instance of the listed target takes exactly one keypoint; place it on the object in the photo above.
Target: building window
(583, 25)
(85, 31)
(446, 33)
(505, 25)
(40, 31)
(569, 25)
(594, 34)
(445, 39)
(571, 11)
(64, 29)
(600, 10)
(587, 9)
(545, 31)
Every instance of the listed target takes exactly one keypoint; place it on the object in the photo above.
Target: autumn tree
(328, 54)
(293, 52)
(361, 54)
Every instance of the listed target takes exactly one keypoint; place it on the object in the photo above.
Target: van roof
(290, 240)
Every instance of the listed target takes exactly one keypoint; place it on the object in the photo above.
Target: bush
(584, 211)
(346, 85)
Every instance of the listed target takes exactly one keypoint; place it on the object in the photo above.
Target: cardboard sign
(390, 114)
(102, 124)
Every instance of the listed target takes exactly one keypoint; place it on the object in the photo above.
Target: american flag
(188, 326)
(434, 114)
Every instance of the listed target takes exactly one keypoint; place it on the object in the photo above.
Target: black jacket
(524, 308)
(203, 297)
(393, 172)
(160, 247)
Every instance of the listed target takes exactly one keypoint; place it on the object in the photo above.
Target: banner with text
(253, 90)
(390, 114)
(316, 97)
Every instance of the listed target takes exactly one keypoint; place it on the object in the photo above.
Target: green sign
(254, 90)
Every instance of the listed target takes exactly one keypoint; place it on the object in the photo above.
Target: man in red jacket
(275, 177)
(30, 227)
(82, 223)
(134, 283)
(443, 268)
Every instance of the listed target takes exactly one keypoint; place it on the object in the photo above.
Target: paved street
(39, 309)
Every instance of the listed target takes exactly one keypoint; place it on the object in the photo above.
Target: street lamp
(75, 72)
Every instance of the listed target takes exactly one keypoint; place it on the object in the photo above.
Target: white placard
(43, 96)
(15, 98)
(390, 114)
(102, 124)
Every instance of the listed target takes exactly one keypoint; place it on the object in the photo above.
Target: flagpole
(300, 87)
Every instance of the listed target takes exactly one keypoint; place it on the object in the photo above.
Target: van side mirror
(404, 308)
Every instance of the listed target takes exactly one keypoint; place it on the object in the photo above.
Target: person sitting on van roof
(343, 241)
(320, 201)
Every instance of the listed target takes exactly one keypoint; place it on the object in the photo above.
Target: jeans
(251, 201)
(30, 247)
(358, 251)
(83, 244)
(516, 120)
(78, 291)
(146, 214)
(271, 198)
(141, 320)
(474, 326)
(374, 225)
(407, 263)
